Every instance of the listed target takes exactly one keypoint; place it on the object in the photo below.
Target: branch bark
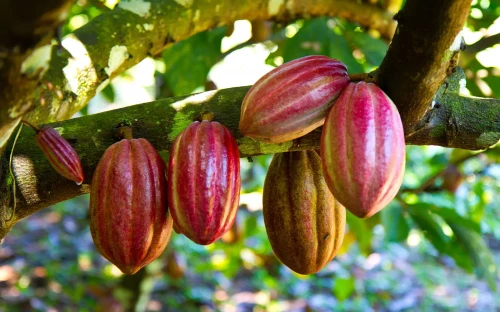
(421, 55)
(25, 26)
(121, 38)
(39, 186)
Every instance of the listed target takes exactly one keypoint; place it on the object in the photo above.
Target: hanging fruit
(292, 99)
(304, 223)
(204, 181)
(363, 149)
(129, 220)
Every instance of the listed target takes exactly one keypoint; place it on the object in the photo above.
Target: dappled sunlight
(80, 65)
(199, 98)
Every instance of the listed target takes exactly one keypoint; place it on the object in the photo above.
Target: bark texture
(117, 40)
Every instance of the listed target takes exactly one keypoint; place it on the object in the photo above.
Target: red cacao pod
(129, 219)
(304, 223)
(292, 99)
(60, 154)
(204, 181)
(363, 149)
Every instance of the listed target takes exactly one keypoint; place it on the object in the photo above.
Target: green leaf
(344, 288)
(429, 225)
(362, 231)
(189, 61)
(432, 227)
(395, 224)
(374, 49)
(450, 215)
(477, 250)
(340, 50)
(493, 154)
(109, 92)
(313, 38)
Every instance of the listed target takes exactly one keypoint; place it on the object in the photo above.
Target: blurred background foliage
(436, 247)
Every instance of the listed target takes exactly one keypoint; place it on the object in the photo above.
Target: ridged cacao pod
(292, 99)
(304, 223)
(60, 154)
(363, 149)
(129, 219)
(204, 181)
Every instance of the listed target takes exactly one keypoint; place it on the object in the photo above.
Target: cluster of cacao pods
(133, 207)
(362, 155)
(136, 201)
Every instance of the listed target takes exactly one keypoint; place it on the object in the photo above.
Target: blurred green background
(436, 247)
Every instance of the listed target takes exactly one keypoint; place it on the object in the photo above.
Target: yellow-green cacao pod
(304, 223)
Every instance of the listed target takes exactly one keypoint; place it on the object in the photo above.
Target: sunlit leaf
(395, 224)
(374, 49)
(478, 251)
(362, 231)
(344, 288)
(188, 62)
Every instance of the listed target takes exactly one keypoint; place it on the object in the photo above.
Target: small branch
(482, 44)
(427, 183)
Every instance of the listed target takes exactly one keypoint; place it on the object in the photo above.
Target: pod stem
(208, 116)
(125, 132)
(31, 125)
(366, 77)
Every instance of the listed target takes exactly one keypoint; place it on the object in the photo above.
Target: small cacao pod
(173, 268)
(304, 223)
(363, 149)
(204, 181)
(452, 179)
(129, 219)
(60, 154)
(292, 99)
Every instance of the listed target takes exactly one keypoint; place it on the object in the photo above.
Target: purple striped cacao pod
(363, 149)
(204, 181)
(292, 99)
(304, 223)
(60, 154)
(129, 219)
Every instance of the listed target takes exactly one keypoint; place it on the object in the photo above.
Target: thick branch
(39, 186)
(119, 39)
(460, 121)
(24, 27)
(421, 54)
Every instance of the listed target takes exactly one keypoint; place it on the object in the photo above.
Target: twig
(12, 174)
(427, 183)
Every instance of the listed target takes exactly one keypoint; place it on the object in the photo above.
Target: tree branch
(482, 44)
(121, 38)
(421, 55)
(470, 51)
(25, 27)
(39, 186)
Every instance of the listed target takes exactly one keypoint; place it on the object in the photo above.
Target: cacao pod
(129, 219)
(204, 181)
(363, 149)
(173, 268)
(60, 154)
(452, 179)
(304, 223)
(292, 99)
